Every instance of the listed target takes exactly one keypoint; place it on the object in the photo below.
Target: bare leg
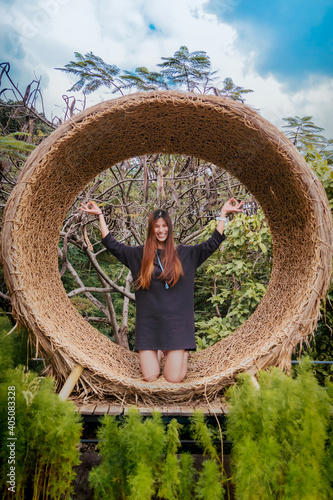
(160, 355)
(175, 365)
(150, 365)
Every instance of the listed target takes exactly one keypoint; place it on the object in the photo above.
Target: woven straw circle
(218, 130)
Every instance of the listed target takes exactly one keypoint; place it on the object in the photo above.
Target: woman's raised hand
(230, 206)
(90, 208)
(93, 209)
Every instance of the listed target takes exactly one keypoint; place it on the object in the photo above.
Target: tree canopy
(185, 70)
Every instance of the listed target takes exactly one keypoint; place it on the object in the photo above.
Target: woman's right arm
(92, 208)
(103, 226)
(129, 256)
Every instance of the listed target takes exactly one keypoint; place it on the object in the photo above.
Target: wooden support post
(70, 382)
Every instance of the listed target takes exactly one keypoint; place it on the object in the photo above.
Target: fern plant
(279, 434)
(212, 476)
(47, 432)
(133, 457)
(140, 461)
(186, 477)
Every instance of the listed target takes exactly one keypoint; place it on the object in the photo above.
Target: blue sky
(281, 49)
(292, 39)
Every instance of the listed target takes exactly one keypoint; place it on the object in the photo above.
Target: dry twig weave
(221, 131)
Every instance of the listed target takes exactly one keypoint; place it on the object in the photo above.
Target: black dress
(165, 317)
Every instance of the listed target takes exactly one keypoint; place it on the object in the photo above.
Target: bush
(39, 433)
(140, 461)
(280, 434)
(45, 432)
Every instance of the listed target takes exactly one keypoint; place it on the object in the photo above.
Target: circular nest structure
(221, 131)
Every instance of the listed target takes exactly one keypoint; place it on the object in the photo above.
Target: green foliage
(172, 437)
(47, 432)
(25, 387)
(279, 433)
(92, 71)
(208, 485)
(202, 434)
(142, 79)
(323, 170)
(242, 271)
(13, 347)
(232, 91)
(10, 146)
(169, 477)
(140, 461)
(54, 433)
(302, 131)
(131, 454)
(185, 70)
(329, 455)
(186, 476)
(321, 346)
(6, 345)
(142, 483)
(109, 478)
(210, 479)
(305, 134)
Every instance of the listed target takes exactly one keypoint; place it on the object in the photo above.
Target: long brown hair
(170, 261)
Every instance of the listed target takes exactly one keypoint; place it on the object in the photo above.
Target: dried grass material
(218, 130)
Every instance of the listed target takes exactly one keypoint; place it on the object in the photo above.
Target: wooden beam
(70, 382)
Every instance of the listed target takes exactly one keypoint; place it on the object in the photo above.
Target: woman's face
(161, 230)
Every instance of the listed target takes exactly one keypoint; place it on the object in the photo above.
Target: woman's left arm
(229, 207)
(201, 252)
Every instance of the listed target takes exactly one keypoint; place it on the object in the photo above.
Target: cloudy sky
(281, 49)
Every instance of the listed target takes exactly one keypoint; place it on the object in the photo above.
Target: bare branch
(215, 292)
(78, 280)
(85, 289)
(95, 319)
(100, 271)
(5, 297)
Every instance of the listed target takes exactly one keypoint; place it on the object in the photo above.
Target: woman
(164, 289)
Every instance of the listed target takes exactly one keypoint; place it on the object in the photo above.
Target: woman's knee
(151, 378)
(173, 378)
(175, 366)
(150, 365)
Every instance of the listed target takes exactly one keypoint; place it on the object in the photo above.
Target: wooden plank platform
(99, 408)
(87, 409)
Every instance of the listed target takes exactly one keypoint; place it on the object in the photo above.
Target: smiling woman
(164, 290)
(161, 228)
(221, 131)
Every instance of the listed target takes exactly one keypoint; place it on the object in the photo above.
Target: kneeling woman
(164, 289)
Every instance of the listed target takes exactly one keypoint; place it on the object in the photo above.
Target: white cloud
(51, 30)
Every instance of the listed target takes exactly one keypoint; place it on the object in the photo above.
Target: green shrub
(140, 461)
(241, 271)
(208, 485)
(186, 477)
(47, 432)
(280, 435)
(13, 347)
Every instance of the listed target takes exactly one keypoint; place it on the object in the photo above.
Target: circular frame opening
(226, 133)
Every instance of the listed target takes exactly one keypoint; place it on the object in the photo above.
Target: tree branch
(78, 280)
(5, 297)
(85, 289)
(98, 268)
